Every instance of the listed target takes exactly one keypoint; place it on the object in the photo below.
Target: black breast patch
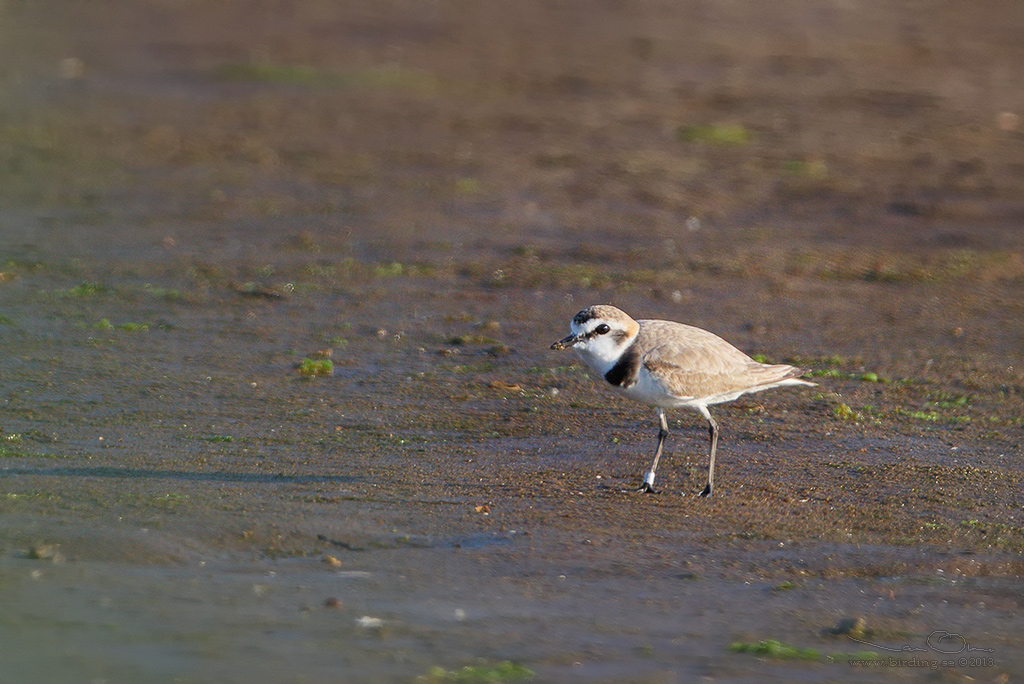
(626, 369)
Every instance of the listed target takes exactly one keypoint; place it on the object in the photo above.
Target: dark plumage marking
(620, 336)
(582, 317)
(626, 369)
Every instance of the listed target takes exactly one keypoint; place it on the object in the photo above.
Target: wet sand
(203, 203)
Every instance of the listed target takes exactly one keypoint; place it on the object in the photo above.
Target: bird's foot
(648, 485)
(706, 492)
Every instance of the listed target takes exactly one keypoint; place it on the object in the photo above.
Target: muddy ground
(203, 202)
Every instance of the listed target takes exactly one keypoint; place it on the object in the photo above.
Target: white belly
(648, 390)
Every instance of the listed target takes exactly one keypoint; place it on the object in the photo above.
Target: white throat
(602, 352)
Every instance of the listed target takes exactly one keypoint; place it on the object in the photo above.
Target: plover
(670, 365)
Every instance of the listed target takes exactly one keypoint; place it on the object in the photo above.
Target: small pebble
(71, 68)
(850, 626)
(1007, 121)
(48, 552)
(367, 622)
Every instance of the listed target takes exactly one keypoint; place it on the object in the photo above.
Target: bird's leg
(648, 485)
(713, 435)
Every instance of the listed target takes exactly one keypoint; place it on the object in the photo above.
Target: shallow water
(182, 504)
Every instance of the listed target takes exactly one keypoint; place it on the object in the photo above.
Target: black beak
(567, 341)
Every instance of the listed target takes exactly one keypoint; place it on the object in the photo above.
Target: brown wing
(696, 363)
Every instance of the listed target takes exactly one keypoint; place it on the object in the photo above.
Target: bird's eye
(602, 329)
